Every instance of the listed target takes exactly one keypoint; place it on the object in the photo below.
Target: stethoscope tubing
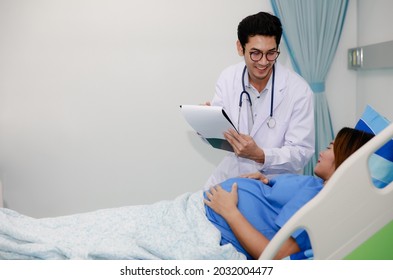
(271, 122)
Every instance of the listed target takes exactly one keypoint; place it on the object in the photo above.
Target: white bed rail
(347, 211)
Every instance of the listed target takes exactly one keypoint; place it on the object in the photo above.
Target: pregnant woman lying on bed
(234, 220)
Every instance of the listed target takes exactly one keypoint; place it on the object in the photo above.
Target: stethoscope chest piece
(271, 122)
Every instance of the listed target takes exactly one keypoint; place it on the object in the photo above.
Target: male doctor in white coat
(274, 116)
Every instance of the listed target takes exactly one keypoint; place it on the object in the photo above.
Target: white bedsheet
(176, 229)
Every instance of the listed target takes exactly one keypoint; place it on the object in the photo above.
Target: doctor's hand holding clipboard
(242, 145)
(213, 124)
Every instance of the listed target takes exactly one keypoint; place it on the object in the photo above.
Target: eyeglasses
(258, 55)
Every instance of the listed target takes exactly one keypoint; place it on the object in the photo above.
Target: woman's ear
(239, 47)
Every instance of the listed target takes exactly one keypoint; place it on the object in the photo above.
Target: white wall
(90, 94)
(374, 87)
(340, 81)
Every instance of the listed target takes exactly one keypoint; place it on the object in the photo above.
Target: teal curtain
(312, 30)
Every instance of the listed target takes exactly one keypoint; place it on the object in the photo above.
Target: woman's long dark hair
(347, 141)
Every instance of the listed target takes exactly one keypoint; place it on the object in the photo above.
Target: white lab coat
(289, 145)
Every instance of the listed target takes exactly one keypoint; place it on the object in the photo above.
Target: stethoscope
(271, 122)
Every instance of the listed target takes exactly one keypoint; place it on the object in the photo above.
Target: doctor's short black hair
(262, 23)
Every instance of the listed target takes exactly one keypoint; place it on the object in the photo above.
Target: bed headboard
(347, 211)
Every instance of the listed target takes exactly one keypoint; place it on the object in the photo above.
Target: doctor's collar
(249, 86)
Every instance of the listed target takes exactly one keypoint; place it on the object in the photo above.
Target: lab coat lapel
(244, 124)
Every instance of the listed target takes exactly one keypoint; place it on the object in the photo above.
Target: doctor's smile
(263, 71)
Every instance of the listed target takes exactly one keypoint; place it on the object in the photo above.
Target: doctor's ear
(239, 47)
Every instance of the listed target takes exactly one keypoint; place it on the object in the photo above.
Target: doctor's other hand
(244, 146)
(207, 103)
(222, 202)
(256, 176)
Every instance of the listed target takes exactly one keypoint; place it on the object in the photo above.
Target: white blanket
(176, 229)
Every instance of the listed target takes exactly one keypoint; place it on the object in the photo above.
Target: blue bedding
(175, 229)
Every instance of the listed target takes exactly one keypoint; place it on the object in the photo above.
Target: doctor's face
(259, 71)
(326, 165)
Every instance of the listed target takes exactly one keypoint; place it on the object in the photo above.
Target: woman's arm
(225, 204)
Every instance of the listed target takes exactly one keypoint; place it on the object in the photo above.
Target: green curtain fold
(312, 30)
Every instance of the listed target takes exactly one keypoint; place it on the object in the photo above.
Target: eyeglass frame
(277, 52)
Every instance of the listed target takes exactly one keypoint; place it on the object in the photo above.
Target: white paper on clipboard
(210, 122)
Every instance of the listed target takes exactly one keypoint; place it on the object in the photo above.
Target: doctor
(270, 105)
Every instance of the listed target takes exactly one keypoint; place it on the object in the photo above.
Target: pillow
(381, 162)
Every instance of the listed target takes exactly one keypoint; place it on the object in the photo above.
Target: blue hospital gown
(268, 207)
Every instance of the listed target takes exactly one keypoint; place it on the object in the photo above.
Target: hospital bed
(348, 210)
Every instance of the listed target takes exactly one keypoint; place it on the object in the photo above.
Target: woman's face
(325, 166)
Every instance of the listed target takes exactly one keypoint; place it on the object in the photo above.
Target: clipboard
(210, 122)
